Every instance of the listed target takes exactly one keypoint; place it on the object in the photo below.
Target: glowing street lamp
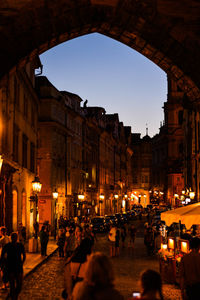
(55, 194)
(81, 197)
(116, 196)
(192, 194)
(36, 186)
(101, 196)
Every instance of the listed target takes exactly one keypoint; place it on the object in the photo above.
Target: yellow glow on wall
(171, 243)
(184, 247)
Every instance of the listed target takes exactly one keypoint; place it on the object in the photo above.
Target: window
(32, 158)
(180, 117)
(25, 106)
(24, 150)
(16, 143)
(16, 92)
(32, 116)
(180, 148)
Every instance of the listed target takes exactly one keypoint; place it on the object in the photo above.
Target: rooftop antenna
(146, 129)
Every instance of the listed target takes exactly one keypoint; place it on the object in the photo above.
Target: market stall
(170, 256)
(173, 248)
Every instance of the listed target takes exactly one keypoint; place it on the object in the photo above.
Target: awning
(188, 215)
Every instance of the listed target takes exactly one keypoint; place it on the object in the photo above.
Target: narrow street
(46, 282)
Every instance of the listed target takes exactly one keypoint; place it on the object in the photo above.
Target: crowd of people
(88, 274)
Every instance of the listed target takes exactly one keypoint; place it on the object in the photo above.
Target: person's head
(99, 271)
(43, 228)
(14, 237)
(151, 282)
(3, 230)
(82, 251)
(195, 243)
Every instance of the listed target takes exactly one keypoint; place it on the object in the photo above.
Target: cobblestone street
(47, 281)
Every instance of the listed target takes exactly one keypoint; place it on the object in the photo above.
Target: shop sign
(42, 201)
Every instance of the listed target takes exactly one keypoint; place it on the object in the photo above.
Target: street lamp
(81, 197)
(36, 186)
(116, 196)
(101, 196)
(55, 197)
(192, 195)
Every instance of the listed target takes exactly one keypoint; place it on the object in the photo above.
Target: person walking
(98, 282)
(117, 239)
(149, 240)
(21, 233)
(75, 266)
(190, 272)
(112, 239)
(69, 242)
(3, 241)
(123, 235)
(61, 242)
(14, 252)
(44, 238)
(132, 235)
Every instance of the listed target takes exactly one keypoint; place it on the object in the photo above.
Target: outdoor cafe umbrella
(188, 215)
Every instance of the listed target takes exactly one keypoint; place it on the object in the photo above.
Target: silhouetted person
(15, 256)
(44, 238)
(190, 271)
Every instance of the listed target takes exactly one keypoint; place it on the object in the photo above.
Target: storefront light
(123, 203)
(81, 197)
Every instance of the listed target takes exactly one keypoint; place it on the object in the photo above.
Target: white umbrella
(188, 215)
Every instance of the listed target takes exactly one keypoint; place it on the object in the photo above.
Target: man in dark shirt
(13, 254)
(190, 271)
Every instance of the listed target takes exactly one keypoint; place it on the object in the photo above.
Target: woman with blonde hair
(98, 281)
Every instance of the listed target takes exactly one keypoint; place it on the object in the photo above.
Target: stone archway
(165, 31)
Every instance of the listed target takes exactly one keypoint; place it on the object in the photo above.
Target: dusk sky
(111, 75)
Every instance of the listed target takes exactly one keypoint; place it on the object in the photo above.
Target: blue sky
(111, 75)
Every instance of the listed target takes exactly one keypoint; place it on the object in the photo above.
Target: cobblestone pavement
(47, 281)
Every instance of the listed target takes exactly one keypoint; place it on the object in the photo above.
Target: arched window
(24, 209)
(14, 223)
